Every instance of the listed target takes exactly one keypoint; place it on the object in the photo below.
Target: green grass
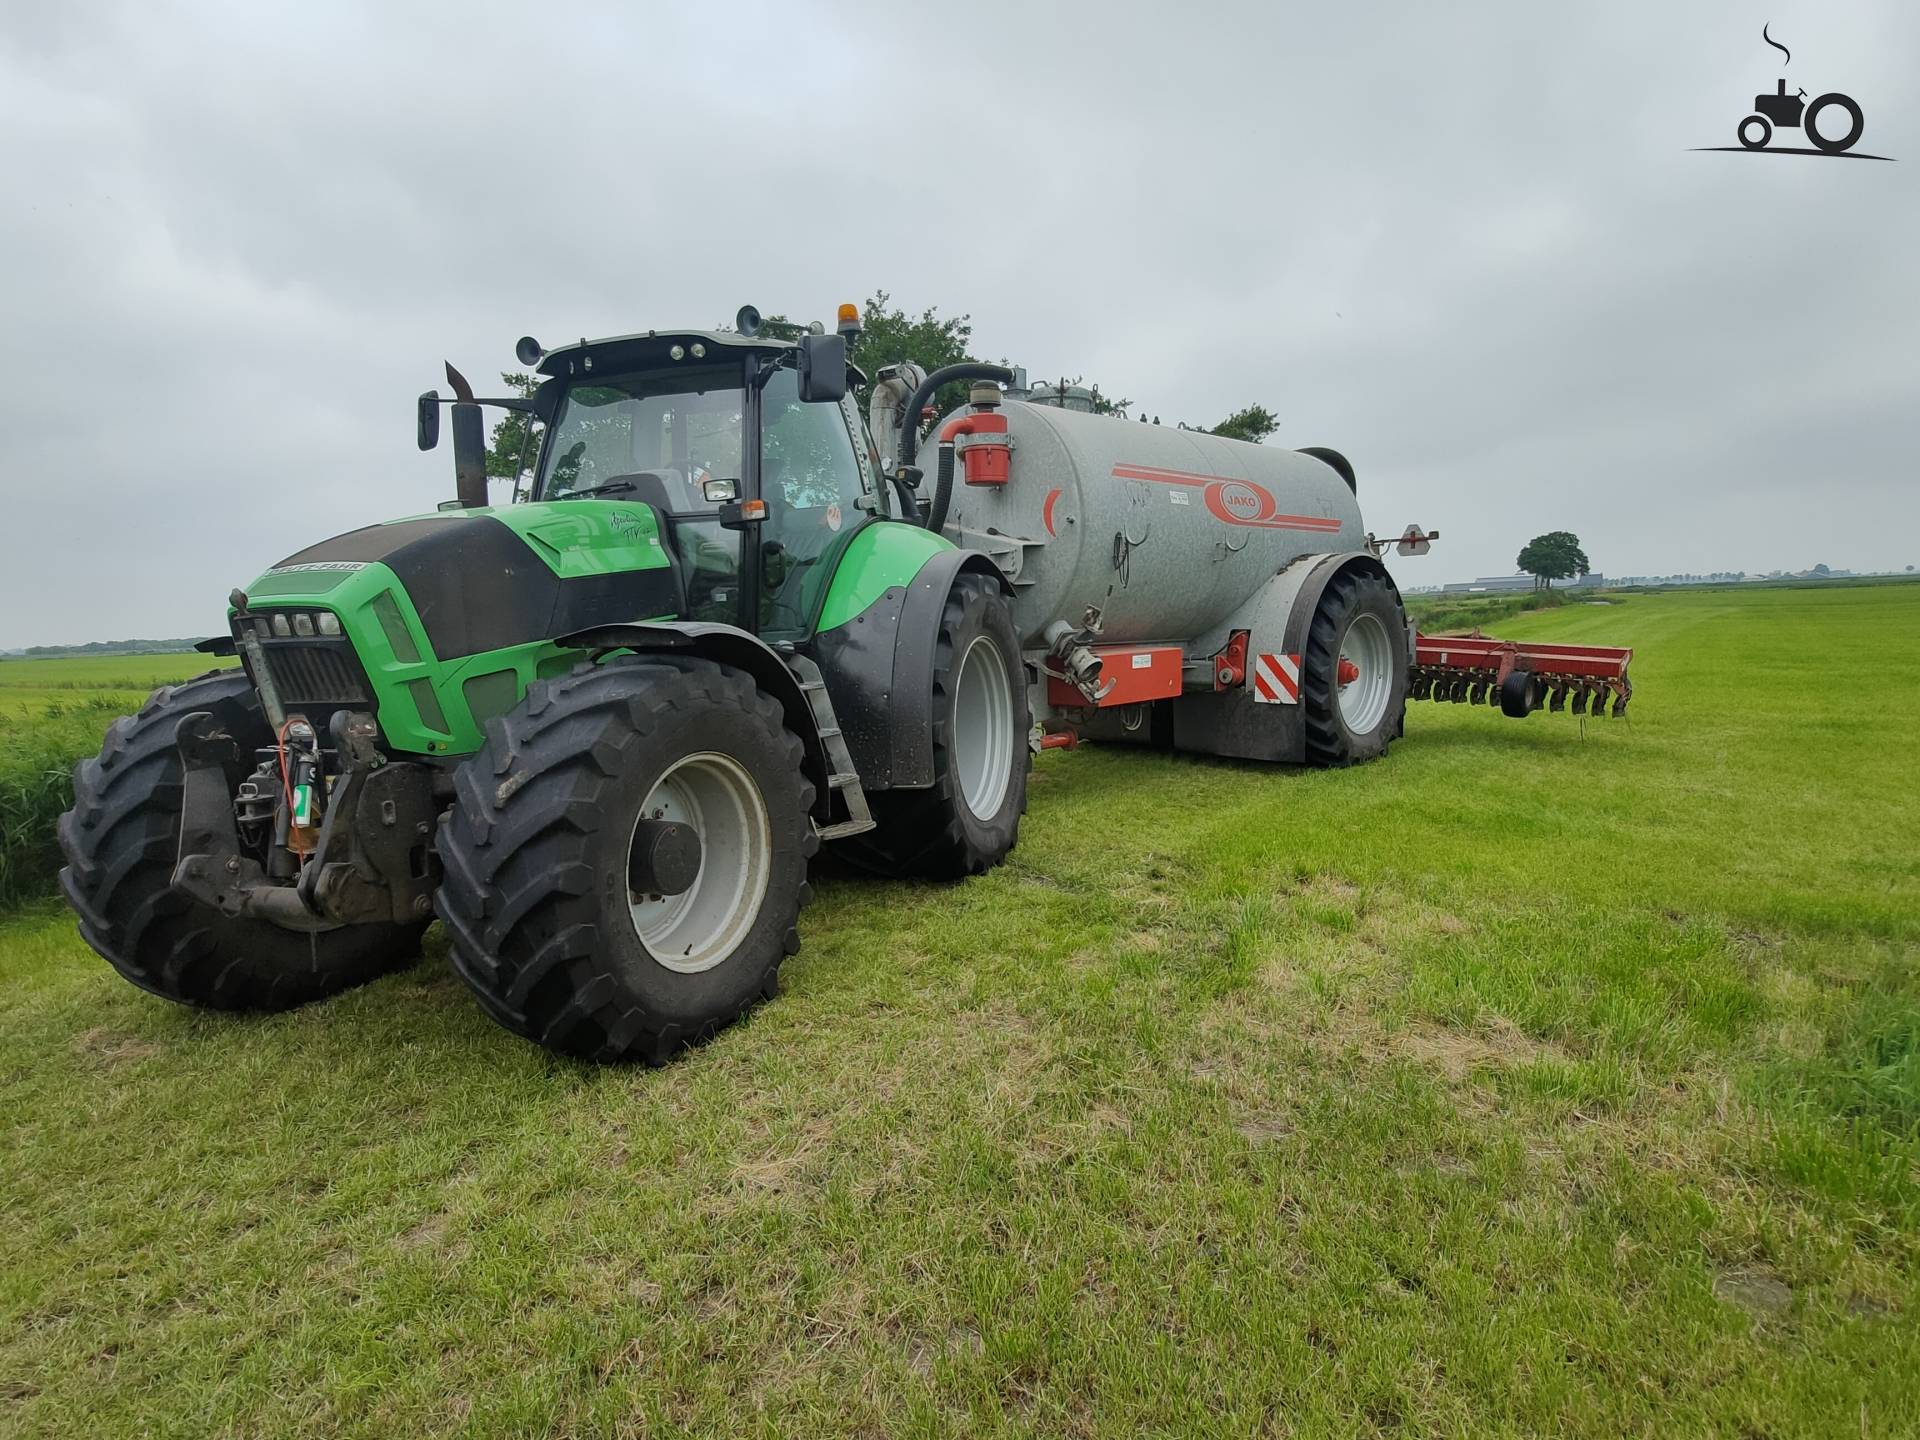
(53, 712)
(1444, 613)
(1542, 1079)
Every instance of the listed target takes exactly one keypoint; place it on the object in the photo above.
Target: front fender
(724, 645)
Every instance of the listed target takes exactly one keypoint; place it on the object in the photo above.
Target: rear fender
(724, 645)
(879, 671)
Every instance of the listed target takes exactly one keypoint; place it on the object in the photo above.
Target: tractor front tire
(1360, 621)
(969, 819)
(579, 807)
(121, 841)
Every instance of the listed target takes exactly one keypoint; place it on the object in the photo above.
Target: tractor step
(842, 779)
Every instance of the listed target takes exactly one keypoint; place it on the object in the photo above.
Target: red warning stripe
(1276, 679)
(1322, 524)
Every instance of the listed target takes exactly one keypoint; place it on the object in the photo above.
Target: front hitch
(213, 869)
(373, 862)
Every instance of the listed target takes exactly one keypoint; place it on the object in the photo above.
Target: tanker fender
(879, 671)
(1319, 572)
(1276, 618)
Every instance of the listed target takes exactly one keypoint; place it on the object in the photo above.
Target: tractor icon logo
(1820, 121)
(1784, 110)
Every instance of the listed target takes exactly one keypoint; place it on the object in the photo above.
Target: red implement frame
(1474, 669)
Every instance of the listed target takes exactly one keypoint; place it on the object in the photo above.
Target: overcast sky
(1471, 250)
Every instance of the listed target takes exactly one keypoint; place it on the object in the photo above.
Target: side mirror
(426, 424)
(823, 367)
(469, 456)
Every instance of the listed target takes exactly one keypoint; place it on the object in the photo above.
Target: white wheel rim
(1363, 699)
(983, 728)
(705, 923)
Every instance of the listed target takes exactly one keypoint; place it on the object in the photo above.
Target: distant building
(1494, 584)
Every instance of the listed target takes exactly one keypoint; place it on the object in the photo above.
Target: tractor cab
(752, 457)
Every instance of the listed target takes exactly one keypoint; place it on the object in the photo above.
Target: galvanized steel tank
(1167, 531)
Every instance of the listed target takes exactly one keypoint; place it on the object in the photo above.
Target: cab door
(816, 491)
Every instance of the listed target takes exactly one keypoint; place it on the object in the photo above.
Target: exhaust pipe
(469, 444)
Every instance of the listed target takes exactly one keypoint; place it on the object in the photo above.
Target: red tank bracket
(1130, 674)
(1230, 664)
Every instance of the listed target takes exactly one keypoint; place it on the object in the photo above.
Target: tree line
(892, 334)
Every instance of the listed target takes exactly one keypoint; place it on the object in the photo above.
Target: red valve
(988, 453)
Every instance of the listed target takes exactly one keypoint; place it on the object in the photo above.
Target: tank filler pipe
(924, 391)
(936, 514)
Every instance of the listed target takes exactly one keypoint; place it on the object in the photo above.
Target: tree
(890, 335)
(1252, 424)
(510, 431)
(1553, 556)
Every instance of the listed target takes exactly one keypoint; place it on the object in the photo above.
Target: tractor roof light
(849, 319)
(678, 352)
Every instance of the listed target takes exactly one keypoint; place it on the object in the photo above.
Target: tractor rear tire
(544, 846)
(969, 819)
(1359, 612)
(121, 841)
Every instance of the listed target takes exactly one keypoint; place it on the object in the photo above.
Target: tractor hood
(488, 579)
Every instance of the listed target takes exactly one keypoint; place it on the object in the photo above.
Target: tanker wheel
(1353, 685)
(969, 819)
(121, 841)
(1810, 123)
(626, 857)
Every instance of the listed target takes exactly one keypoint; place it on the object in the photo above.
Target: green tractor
(599, 733)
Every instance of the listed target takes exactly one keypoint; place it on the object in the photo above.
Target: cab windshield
(663, 432)
(661, 437)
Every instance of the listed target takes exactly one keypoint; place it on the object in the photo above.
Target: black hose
(909, 502)
(945, 375)
(942, 488)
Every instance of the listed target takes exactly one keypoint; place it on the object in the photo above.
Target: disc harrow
(1521, 677)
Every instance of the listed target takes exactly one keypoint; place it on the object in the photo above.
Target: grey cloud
(1473, 251)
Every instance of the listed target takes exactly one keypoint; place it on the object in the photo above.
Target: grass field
(1534, 1081)
(52, 712)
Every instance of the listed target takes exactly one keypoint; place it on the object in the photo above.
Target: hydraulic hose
(909, 502)
(942, 488)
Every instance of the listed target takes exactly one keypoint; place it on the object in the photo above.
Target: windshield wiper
(612, 487)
